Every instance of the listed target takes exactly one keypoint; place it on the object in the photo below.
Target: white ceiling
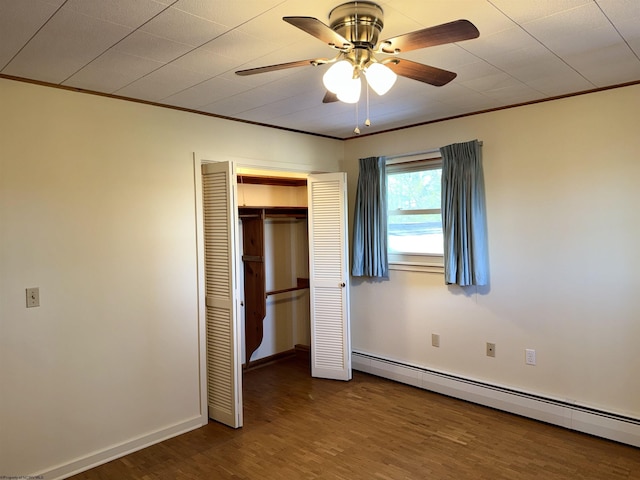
(184, 53)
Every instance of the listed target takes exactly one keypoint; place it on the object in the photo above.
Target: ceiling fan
(353, 31)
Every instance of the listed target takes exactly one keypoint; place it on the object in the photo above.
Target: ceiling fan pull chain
(356, 130)
(367, 122)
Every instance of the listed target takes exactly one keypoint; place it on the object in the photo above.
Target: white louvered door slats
(223, 369)
(330, 336)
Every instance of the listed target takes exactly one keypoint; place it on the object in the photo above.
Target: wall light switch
(33, 297)
(435, 340)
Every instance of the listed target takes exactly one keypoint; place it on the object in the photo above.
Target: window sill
(417, 267)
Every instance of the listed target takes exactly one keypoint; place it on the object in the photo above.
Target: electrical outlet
(530, 356)
(435, 340)
(33, 297)
(491, 349)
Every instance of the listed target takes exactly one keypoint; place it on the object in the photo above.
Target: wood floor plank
(297, 427)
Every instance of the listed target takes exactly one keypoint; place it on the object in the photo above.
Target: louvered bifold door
(328, 276)
(224, 381)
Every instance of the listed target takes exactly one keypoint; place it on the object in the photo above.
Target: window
(414, 221)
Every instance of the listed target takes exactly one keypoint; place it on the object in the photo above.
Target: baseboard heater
(612, 426)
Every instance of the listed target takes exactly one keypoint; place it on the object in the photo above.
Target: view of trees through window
(414, 221)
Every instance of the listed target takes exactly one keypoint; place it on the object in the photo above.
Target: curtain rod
(422, 152)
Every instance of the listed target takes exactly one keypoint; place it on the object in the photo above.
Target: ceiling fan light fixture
(353, 30)
(338, 75)
(380, 77)
(350, 91)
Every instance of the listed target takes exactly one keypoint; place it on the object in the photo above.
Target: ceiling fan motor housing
(358, 22)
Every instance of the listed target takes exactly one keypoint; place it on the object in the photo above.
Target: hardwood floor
(297, 427)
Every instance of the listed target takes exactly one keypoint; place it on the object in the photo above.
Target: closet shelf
(267, 180)
(272, 212)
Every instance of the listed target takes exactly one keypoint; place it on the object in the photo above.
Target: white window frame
(420, 262)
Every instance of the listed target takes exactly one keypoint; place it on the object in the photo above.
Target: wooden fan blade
(323, 32)
(455, 31)
(330, 97)
(423, 73)
(281, 66)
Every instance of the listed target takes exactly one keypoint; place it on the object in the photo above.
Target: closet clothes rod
(286, 215)
(274, 215)
(302, 284)
(284, 290)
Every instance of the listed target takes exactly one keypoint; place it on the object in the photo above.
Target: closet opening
(273, 268)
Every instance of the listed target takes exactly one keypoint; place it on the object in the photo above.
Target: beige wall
(563, 224)
(97, 209)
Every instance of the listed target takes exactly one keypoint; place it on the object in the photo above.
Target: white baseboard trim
(566, 414)
(98, 458)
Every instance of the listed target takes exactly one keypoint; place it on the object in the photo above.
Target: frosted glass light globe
(350, 91)
(338, 74)
(380, 77)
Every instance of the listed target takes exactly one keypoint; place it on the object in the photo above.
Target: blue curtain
(466, 260)
(370, 220)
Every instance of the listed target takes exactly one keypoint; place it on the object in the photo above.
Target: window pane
(416, 234)
(414, 190)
